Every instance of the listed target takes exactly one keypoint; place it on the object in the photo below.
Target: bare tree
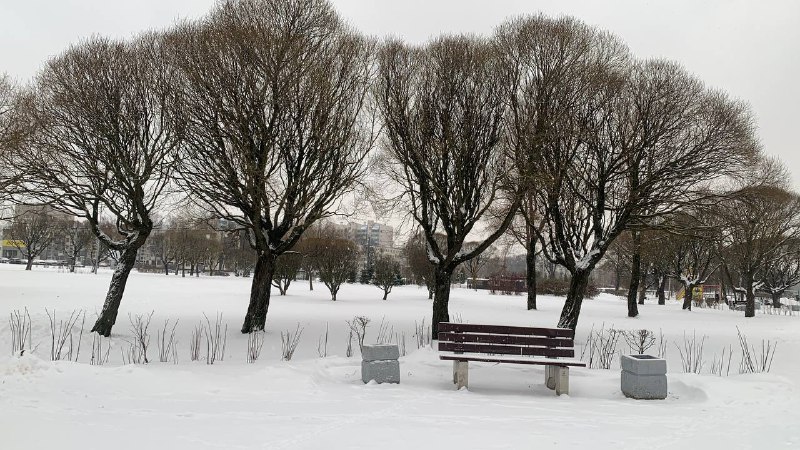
(691, 250)
(783, 271)
(32, 231)
(104, 146)
(420, 268)
(606, 143)
(760, 220)
(77, 238)
(9, 134)
(474, 265)
(442, 111)
(275, 93)
(286, 267)
(336, 261)
(387, 271)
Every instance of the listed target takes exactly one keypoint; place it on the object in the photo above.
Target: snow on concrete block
(644, 377)
(644, 365)
(379, 352)
(386, 371)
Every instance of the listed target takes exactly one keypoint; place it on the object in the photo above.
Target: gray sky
(751, 49)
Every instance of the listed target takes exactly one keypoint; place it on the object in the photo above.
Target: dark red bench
(553, 348)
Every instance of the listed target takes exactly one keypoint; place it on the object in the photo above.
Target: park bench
(553, 348)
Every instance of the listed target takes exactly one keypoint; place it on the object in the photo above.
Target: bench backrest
(506, 340)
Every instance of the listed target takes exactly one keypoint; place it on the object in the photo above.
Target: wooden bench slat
(505, 349)
(539, 362)
(506, 329)
(505, 339)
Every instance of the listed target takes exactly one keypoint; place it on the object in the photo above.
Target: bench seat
(549, 347)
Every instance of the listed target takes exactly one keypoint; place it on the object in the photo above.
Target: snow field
(312, 402)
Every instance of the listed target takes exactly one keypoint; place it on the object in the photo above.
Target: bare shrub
(255, 342)
(719, 366)
(196, 342)
(661, 349)
(289, 341)
(639, 341)
(99, 357)
(691, 353)
(167, 348)
(19, 324)
(216, 339)
(752, 361)
(385, 333)
(322, 344)
(141, 336)
(61, 332)
(349, 350)
(601, 347)
(359, 327)
(422, 334)
(401, 342)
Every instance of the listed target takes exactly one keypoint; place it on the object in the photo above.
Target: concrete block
(644, 387)
(386, 371)
(379, 352)
(643, 365)
(562, 380)
(461, 374)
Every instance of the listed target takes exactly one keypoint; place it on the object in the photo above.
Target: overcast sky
(749, 48)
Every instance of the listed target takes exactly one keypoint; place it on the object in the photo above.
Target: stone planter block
(380, 352)
(386, 371)
(643, 377)
(643, 365)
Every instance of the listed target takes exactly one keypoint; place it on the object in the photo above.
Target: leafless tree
(387, 270)
(77, 238)
(104, 144)
(275, 94)
(474, 265)
(286, 267)
(760, 220)
(336, 260)
(33, 231)
(442, 111)
(420, 268)
(9, 134)
(783, 271)
(607, 143)
(691, 251)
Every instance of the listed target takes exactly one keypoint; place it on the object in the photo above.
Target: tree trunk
(441, 299)
(530, 274)
(750, 306)
(776, 299)
(636, 271)
(643, 290)
(572, 306)
(662, 282)
(108, 316)
(166, 269)
(688, 293)
(310, 281)
(29, 265)
(385, 294)
(256, 317)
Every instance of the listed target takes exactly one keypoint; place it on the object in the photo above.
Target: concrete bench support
(557, 378)
(461, 374)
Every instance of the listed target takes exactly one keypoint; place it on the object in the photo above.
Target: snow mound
(25, 365)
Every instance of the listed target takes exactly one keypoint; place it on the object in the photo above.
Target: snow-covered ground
(312, 402)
